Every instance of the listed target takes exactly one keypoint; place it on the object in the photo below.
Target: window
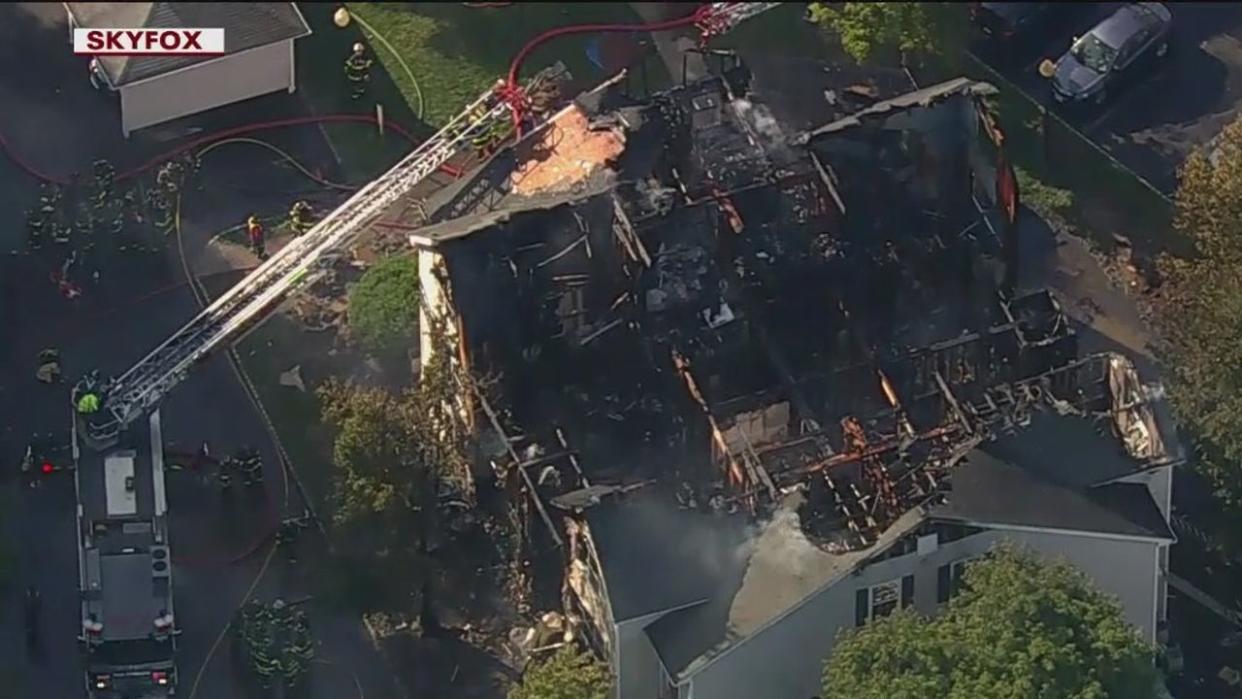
(883, 599)
(949, 578)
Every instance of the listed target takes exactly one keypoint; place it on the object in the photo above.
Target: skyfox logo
(148, 42)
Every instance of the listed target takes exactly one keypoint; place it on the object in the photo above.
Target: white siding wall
(207, 86)
(1125, 569)
(640, 666)
(785, 660)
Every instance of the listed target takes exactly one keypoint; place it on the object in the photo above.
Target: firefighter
(301, 217)
(287, 536)
(105, 177)
(170, 176)
(224, 473)
(251, 465)
(83, 225)
(49, 196)
(49, 366)
(88, 403)
(34, 229)
(358, 70)
(254, 231)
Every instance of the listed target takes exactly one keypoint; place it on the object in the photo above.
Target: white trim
(293, 70)
(871, 598)
(157, 464)
(1155, 596)
(305, 25)
(1069, 532)
(196, 64)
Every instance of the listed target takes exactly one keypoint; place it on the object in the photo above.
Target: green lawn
(321, 78)
(780, 32)
(457, 52)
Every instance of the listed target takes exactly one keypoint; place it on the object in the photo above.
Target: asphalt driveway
(58, 124)
(1153, 125)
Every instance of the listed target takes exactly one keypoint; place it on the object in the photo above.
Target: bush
(1044, 198)
(383, 305)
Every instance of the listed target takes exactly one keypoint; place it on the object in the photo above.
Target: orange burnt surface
(565, 154)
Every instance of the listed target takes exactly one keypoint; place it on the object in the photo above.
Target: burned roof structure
(723, 345)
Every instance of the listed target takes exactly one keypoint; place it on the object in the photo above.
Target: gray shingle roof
(996, 490)
(246, 26)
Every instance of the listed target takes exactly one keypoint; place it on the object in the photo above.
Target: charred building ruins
(761, 386)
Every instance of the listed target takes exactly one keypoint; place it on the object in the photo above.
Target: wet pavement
(56, 122)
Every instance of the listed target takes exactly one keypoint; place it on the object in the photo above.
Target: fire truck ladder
(720, 17)
(143, 386)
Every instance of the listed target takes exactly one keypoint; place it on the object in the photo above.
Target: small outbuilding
(258, 59)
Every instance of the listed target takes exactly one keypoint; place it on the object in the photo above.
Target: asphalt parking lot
(1155, 123)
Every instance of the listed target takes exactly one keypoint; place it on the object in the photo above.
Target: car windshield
(1093, 53)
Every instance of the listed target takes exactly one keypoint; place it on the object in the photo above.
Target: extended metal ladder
(146, 383)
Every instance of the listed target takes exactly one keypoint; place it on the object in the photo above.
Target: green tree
(381, 474)
(568, 674)
(383, 305)
(1021, 627)
(1202, 315)
(866, 28)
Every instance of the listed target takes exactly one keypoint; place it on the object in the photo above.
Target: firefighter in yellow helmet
(358, 70)
(254, 232)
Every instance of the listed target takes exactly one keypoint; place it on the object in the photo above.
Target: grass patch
(363, 153)
(457, 52)
(780, 32)
(1041, 196)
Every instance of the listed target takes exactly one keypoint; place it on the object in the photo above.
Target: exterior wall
(1126, 569)
(208, 85)
(784, 661)
(638, 658)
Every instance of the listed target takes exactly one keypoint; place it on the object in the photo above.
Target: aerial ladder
(139, 390)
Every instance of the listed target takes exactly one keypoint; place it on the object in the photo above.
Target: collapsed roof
(721, 342)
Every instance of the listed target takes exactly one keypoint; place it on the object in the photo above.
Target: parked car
(1114, 53)
(1001, 28)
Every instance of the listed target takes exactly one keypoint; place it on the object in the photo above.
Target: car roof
(1125, 22)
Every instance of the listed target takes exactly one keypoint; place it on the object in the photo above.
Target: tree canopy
(866, 28)
(383, 305)
(1202, 320)
(567, 674)
(1021, 627)
(381, 472)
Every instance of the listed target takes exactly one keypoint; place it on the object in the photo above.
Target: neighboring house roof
(246, 25)
(990, 490)
(760, 588)
(656, 556)
(1067, 450)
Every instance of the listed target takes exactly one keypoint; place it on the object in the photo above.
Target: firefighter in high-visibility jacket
(301, 217)
(254, 232)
